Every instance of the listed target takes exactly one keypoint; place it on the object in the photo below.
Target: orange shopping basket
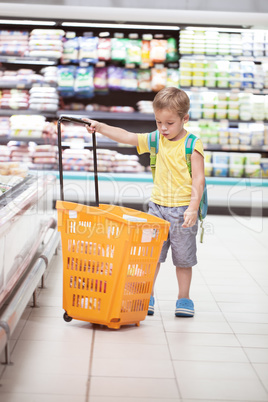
(109, 257)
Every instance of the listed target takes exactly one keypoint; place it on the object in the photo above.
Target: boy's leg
(184, 305)
(155, 276)
(151, 303)
(184, 277)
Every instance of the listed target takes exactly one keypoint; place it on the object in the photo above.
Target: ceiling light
(120, 26)
(27, 22)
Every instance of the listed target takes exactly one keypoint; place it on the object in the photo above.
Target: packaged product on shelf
(129, 80)
(252, 158)
(127, 163)
(247, 43)
(159, 78)
(264, 167)
(66, 79)
(4, 126)
(234, 136)
(158, 50)
(252, 171)
(118, 50)
(19, 152)
(195, 113)
(14, 43)
(145, 51)
(258, 44)
(233, 114)
(173, 77)
(210, 70)
(220, 158)
(76, 159)
(105, 160)
(224, 137)
(236, 44)
(220, 169)
(236, 158)
(196, 101)
(208, 156)
(44, 98)
(245, 106)
(104, 49)
(172, 52)
(27, 126)
(144, 80)
(100, 80)
(11, 173)
(145, 106)
(121, 109)
(84, 81)
(186, 41)
(234, 75)
(88, 49)
(208, 169)
(236, 170)
(4, 153)
(46, 43)
(50, 74)
(244, 134)
(70, 48)
(265, 72)
(211, 42)
(115, 75)
(224, 43)
(199, 42)
(258, 107)
(257, 134)
(14, 99)
(133, 51)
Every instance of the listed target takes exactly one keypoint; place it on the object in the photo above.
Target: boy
(176, 195)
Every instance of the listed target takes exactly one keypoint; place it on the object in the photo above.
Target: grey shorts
(182, 240)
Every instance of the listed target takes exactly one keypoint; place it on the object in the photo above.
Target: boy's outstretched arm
(114, 133)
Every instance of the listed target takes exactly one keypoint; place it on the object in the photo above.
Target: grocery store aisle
(219, 355)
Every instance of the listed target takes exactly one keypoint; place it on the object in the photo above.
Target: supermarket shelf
(24, 85)
(134, 116)
(253, 91)
(147, 178)
(135, 189)
(220, 57)
(10, 112)
(43, 61)
(108, 115)
(108, 144)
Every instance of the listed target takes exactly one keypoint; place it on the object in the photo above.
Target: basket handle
(75, 120)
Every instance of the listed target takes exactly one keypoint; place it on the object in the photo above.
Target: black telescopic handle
(80, 121)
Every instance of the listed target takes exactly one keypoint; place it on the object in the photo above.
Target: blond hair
(173, 99)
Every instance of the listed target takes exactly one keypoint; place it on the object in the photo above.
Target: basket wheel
(66, 317)
(138, 324)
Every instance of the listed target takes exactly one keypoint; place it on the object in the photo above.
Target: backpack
(190, 140)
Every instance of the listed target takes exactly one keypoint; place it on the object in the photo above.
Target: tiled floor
(219, 355)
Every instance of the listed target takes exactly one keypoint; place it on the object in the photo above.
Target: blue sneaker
(151, 306)
(184, 308)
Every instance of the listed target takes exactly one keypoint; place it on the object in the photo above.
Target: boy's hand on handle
(190, 217)
(93, 125)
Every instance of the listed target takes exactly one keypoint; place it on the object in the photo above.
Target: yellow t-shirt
(173, 183)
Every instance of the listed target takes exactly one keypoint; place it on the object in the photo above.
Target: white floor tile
(221, 354)
(138, 387)
(219, 380)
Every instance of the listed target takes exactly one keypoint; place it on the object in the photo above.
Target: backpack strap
(190, 142)
(153, 144)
